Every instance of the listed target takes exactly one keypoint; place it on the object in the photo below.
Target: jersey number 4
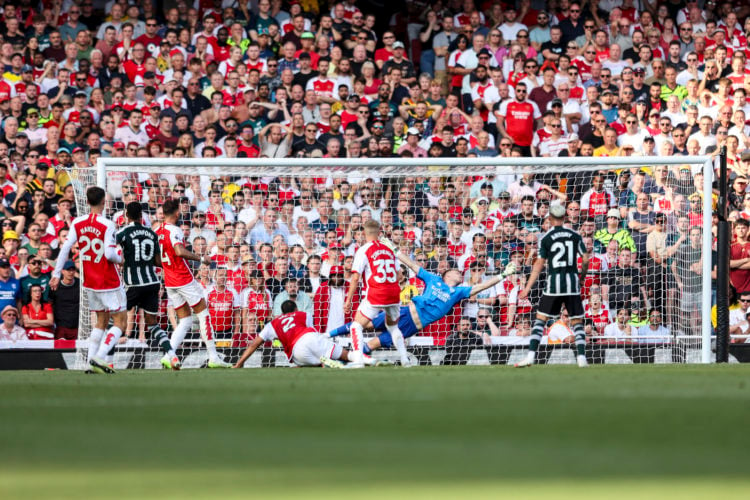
(385, 271)
(563, 254)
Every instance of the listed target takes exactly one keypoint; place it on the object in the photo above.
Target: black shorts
(145, 298)
(550, 305)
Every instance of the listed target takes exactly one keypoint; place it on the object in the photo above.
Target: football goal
(278, 229)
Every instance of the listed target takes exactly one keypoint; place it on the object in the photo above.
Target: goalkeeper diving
(436, 301)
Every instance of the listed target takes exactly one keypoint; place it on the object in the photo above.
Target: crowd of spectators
(453, 78)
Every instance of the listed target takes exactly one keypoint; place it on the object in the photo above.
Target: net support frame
(405, 167)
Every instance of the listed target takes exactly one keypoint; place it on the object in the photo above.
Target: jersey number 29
(91, 245)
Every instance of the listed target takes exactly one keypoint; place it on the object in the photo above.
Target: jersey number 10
(144, 250)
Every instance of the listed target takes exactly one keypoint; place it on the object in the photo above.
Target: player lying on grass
(303, 345)
(436, 301)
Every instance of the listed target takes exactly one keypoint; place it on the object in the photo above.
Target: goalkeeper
(436, 301)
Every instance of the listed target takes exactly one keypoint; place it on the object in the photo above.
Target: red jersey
(321, 86)
(176, 270)
(221, 307)
(133, 69)
(519, 120)
(39, 332)
(257, 302)
(376, 263)
(288, 328)
(740, 278)
(584, 68)
(95, 234)
(600, 320)
(596, 266)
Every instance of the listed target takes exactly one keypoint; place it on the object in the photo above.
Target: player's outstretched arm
(257, 341)
(509, 269)
(183, 252)
(413, 266)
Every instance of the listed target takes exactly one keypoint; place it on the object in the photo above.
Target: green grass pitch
(429, 432)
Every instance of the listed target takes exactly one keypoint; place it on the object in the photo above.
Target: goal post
(393, 170)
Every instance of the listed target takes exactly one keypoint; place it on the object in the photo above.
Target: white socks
(357, 339)
(94, 340)
(207, 334)
(398, 341)
(110, 340)
(179, 333)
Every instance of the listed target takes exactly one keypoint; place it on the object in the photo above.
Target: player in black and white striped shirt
(141, 255)
(559, 250)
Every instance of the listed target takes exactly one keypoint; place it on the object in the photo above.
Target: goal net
(280, 229)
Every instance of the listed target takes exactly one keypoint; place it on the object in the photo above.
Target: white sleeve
(268, 332)
(513, 296)
(586, 200)
(236, 304)
(503, 111)
(110, 246)
(537, 113)
(360, 262)
(62, 257)
(175, 237)
(309, 320)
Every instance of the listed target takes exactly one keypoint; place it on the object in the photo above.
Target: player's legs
(365, 314)
(345, 328)
(405, 324)
(113, 334)
(207, 334)
(97, 333)
(184, 322)
(392, 314)
(548, 307)
(574, 306)
(312, 350)
(114, 304)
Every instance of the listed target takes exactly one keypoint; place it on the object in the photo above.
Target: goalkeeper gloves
(509, 269)
(385, 241)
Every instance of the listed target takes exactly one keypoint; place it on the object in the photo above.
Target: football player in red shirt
(303, 345)
(185, 293)
(375, 262)
(95, 236)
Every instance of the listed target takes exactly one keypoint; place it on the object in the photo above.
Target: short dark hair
(170, 207)
(95, 195)
(134, 211)
(288, 306)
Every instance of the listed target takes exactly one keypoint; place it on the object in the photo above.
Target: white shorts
(189, 294)
(369, 311)
(311, 347)
(111, 301)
